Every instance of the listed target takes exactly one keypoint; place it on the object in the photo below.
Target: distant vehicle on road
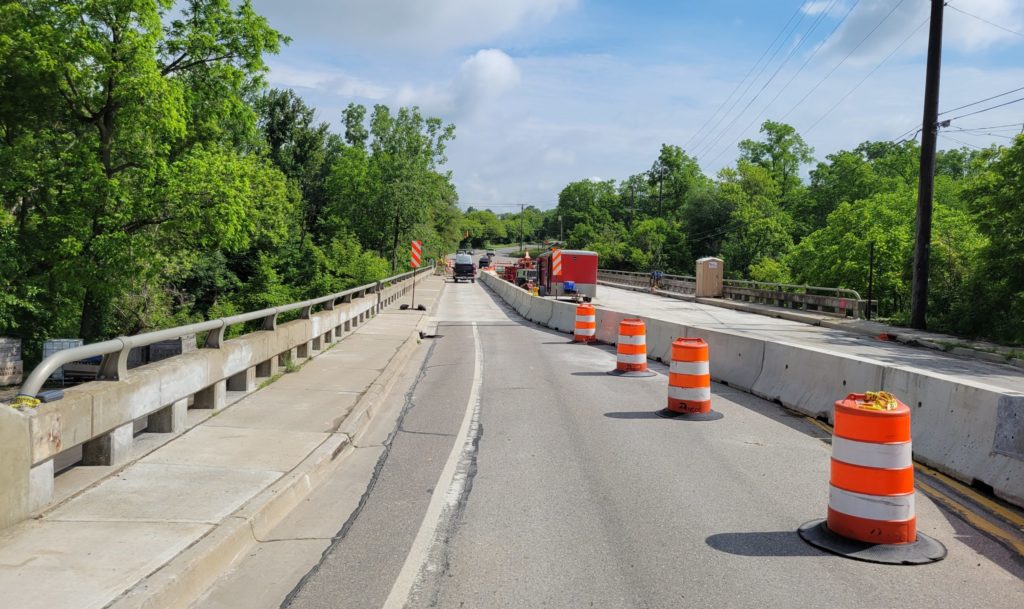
(485, 262)
(523, 276)
(491, 254)
(464, 268)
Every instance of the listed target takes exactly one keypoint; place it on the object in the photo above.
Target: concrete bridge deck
(498, 466)
(519, 474)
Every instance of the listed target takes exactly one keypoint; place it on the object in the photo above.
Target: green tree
(112, 100)
(997, 289)
(783, 152)
(758, 226)
(671, 178)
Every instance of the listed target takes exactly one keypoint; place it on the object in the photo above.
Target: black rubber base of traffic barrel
(632, 374)
(713, 415)
(922, 552)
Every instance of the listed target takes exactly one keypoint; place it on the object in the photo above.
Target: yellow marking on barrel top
(1014, 542)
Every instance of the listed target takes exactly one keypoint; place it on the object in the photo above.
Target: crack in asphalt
(378, 468)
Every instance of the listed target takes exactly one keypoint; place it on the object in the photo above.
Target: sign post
(416, 254)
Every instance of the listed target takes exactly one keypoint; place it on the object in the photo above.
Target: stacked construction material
(11, 366)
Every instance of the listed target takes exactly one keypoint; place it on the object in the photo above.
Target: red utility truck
(578, 276)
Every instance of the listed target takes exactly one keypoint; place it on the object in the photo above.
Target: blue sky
(544, 92)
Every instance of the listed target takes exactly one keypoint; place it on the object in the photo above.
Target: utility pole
(871, 276)
(522, 210)
(561, 233)
(926, 183)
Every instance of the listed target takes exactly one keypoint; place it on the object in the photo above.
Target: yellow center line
(986, 526)
(1002, 511)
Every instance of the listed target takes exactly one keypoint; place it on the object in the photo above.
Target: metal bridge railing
(841, 302)
(114, 365)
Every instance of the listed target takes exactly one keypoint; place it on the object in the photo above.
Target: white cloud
(970, 34)
(960, 32)
(483, 78)
(408, 24)
(327, 80)
(530, 124)
(816, 7)
(559, 156)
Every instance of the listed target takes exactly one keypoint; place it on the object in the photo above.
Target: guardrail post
(267, 368)
(215, 338)
(243, 381)
(169, 419)
(306, 312)
(378, 290)
(112, 448)
(40, 485)
(213, 397)
(114, 366)
(269, 322)
(16, 440)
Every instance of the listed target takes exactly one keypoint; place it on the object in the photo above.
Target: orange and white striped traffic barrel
(689, 382)
(586, 324)
(631, 349)
(871, 513)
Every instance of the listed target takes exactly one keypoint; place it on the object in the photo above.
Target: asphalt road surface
(521, 475)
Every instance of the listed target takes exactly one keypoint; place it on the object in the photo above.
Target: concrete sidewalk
(851, 340)
(136, 538)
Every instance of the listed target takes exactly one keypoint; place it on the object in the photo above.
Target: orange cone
(631, 349)
(871, 492)
(689, 382)
(586, 324)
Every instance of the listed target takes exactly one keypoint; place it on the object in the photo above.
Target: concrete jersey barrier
(968, 430)
(100, 416)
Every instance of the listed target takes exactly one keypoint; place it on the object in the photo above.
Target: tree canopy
(778, 215)
(149, 177)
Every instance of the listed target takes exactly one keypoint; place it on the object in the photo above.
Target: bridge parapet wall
(100, 418)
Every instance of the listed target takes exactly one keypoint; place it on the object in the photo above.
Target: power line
(982, 19)
(686, 146)
(1000, 135)
(1007, 126)
(907, 135)
(848, 55)
(1013, 101)
(980, 101)
(867, 76)
(814, 26)
(960, 142)
(703, 141)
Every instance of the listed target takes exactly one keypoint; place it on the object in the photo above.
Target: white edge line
(443, 491)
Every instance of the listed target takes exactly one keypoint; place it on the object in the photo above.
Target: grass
(290, 366)
(269, 381)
